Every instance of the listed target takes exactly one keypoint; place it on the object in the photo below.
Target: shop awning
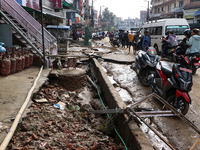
(197, 13)
(68, 5)
(58, 27)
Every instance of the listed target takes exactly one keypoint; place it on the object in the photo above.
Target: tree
(108, 17)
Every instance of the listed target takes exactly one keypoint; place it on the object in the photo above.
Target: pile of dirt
(59, 121)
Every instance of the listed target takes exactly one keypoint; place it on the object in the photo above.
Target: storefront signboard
(189, 13)
(57, 4)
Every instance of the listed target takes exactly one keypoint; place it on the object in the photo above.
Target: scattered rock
(34, 137)
(47, 127)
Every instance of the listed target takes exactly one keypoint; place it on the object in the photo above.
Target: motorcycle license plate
(196, 64)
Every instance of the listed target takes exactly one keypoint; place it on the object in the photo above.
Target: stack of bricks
(72, 83)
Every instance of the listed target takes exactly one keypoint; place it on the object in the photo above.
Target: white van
(157, 30)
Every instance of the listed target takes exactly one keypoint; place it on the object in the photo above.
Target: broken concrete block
(61, 104)
(97, 104)
(65, 97)
(72, 93)
(43, 100)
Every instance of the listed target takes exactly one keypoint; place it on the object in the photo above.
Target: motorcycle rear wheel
(183, 105)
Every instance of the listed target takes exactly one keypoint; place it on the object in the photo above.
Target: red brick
(34, 137)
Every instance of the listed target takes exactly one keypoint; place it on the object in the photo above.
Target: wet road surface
(174, 130)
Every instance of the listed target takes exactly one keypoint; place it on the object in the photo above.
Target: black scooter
(145, 64)
(115, 41)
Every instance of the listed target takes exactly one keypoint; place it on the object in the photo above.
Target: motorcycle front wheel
(144, 79)
(182, 105)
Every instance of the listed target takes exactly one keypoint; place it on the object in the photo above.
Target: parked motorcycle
(194, 57)
(173, 83)
(115, 41)
(145, 63)
(169, 53)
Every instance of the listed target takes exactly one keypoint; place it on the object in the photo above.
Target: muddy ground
(175, 131)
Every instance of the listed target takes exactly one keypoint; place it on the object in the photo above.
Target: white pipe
(6, 141)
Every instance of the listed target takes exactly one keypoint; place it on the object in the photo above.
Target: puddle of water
(103, 50)
(86, 96)
(124, 94)
(112, 80)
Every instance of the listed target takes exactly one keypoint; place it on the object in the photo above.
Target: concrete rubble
(61, 121)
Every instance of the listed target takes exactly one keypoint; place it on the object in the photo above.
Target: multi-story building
(143, 16)
(167, 9)
(176, 9)
(191, 12)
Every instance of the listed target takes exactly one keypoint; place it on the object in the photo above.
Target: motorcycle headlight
(150, 64)
(185, 86)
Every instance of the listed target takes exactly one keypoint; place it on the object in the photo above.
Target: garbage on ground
(61, 124)
(43, 100)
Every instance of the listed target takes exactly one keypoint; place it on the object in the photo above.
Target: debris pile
(57, 120)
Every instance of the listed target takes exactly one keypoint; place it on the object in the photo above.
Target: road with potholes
(175, 131)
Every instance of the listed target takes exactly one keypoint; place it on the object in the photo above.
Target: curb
(133, 136)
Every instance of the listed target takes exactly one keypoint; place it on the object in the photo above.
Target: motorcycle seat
(166, 69)
(172, 47)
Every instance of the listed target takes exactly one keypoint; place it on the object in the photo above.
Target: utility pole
(42, 33)
(92, 14)
(148, 12)
(86, 23)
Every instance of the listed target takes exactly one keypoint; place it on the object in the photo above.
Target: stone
(65, 97)
(72, 93)
(34, 137)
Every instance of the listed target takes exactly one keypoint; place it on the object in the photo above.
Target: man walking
(131, 39)
(126, 39)
(123, 40)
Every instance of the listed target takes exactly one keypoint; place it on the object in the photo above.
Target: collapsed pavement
(131, 133)
(59, 119)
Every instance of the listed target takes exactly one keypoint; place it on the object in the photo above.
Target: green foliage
(108, 17)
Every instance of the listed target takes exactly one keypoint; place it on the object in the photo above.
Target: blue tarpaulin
(197, 13)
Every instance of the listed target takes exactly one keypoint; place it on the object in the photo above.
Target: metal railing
(27, 22)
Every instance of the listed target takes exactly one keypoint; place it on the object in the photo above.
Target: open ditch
(59, 118)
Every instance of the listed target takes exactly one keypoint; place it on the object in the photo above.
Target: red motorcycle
(194, 59)
(173, 83)
(194, 62)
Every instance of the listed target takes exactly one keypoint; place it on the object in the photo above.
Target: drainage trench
(60, 118)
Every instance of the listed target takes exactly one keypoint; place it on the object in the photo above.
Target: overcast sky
(122, 8)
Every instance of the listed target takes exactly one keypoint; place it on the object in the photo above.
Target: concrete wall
(130, 132)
